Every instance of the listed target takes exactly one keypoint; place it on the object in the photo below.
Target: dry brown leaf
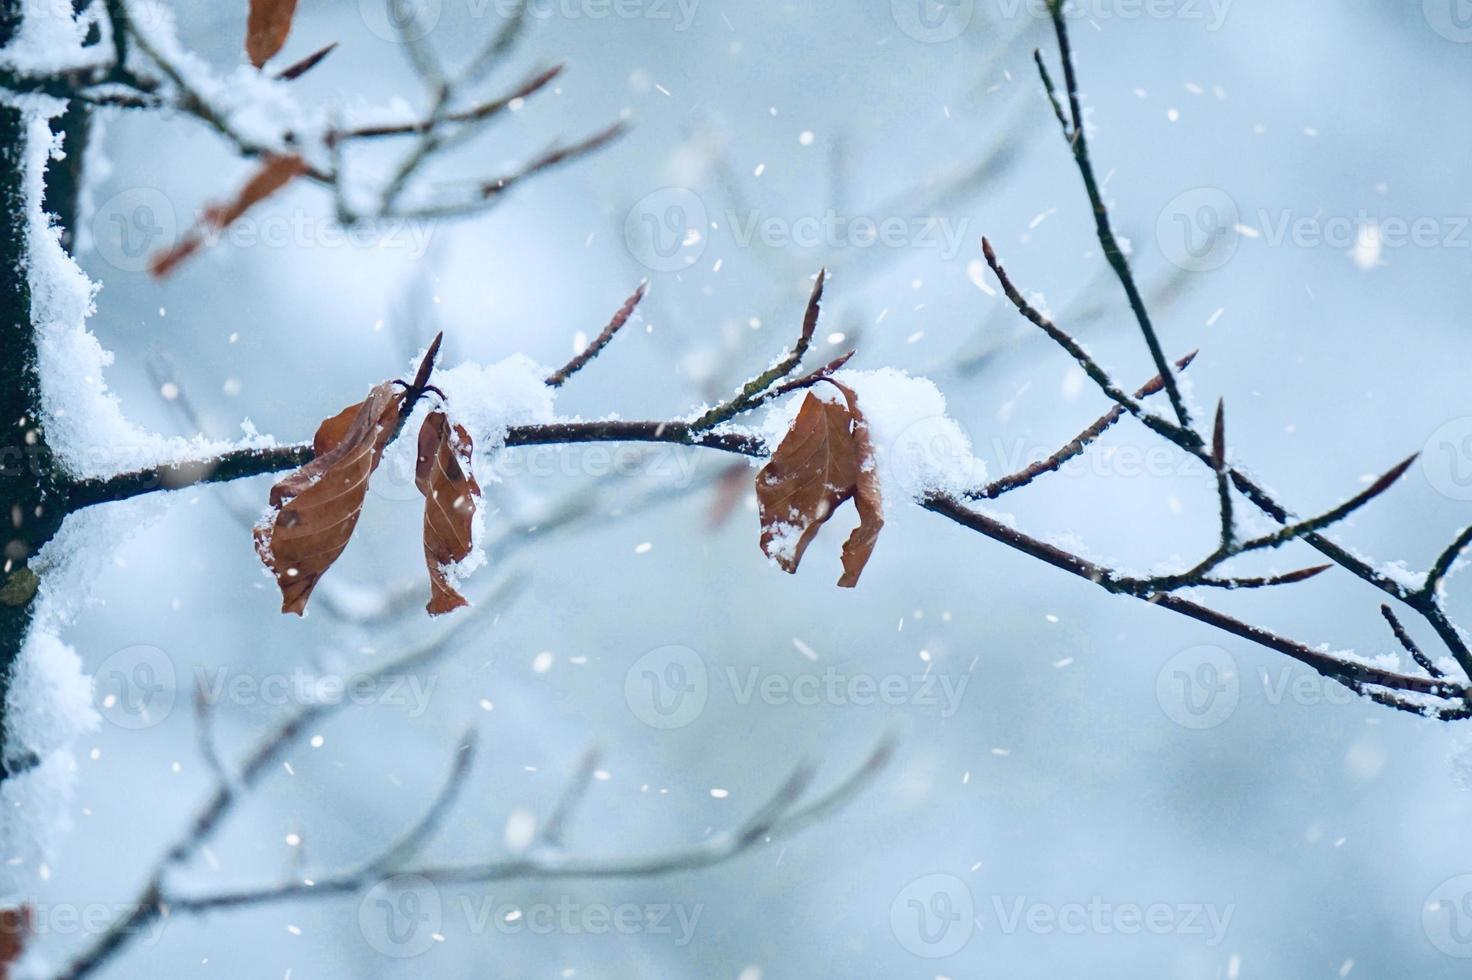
(317, 506)
(824, 460)
(15, 929)
(266, 28)
(442, 473)
(273, 174)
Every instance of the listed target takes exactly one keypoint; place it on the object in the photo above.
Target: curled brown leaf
(266, 28)
(825, 459)
(442, 473)
(317, 506)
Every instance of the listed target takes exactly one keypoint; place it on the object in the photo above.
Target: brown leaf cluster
(316, 508)
(824, 460)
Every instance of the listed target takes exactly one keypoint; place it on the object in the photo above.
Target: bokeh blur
(1085, 786)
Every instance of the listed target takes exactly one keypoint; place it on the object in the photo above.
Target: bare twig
(294, 71)
(204, 729)
(1086, 361)
(499, 46)
(1333, 516)
(779, 816)
(577, 787)
(1408, 643)
(1078, 140)
(1073, 448)
(581, 359)
(749, 392)
(533, 84)
(412, 840)
(1223, 476)
(1443, 564)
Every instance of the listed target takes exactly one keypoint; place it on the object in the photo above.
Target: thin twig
(205, 736)
(1091, 367)
(1444, 562)
(1408, 643)
(294, 71)
(572, 795)
(479, 113)
(1333, 516)
(1074, 447)
(779, 817)
(1112, 252)
(749, 392)
(559, 377)
(500, 45)
(412, 841)
(1223, 476)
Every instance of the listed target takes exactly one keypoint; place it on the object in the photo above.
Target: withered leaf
(317, 506)
(272, 175)
(266, 28)
(825, 459)
(442, 473)
(15, 929)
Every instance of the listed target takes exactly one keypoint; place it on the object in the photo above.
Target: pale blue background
(1323, 826)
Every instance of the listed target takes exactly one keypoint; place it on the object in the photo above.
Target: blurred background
(1084, 785)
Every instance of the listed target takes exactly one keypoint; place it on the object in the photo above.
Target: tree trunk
(32, 486)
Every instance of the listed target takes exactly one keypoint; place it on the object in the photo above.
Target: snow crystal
(49, 40)
(917, 447)
(782, 541)
(1398, 573)
(489, 399)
